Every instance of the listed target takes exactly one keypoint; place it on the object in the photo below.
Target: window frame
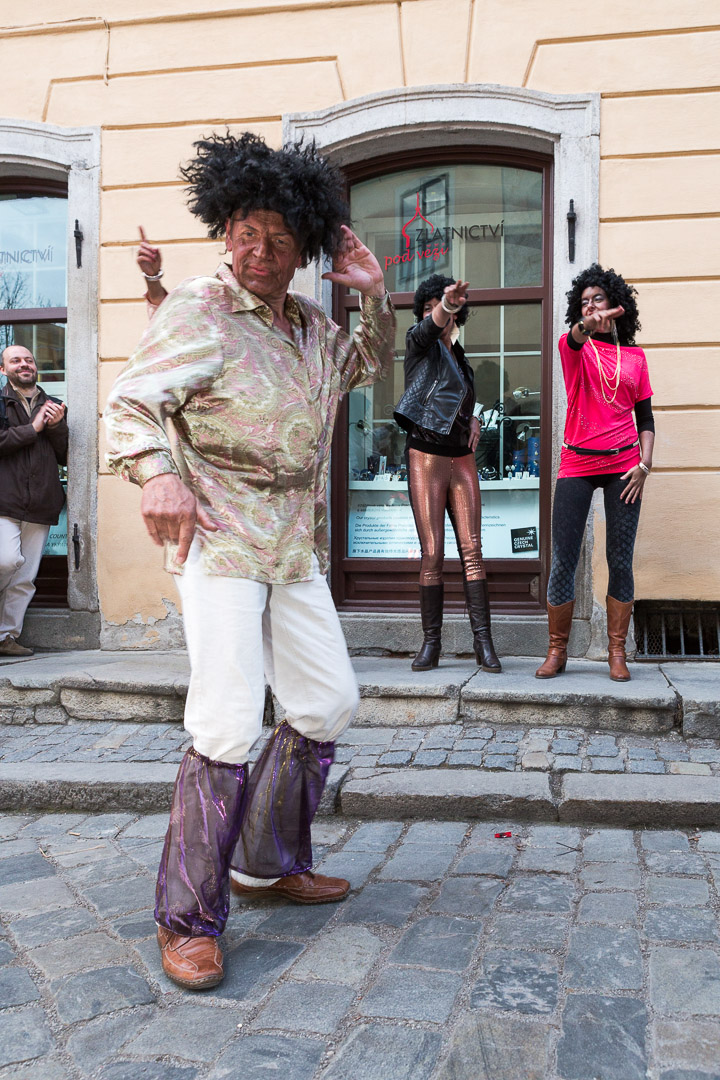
(390, 585)
(51, 583)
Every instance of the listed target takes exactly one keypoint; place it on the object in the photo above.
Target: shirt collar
(243, 300)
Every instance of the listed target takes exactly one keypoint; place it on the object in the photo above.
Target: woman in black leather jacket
(436, 410)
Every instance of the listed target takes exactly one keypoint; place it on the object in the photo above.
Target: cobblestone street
(558, 952)
(363, 749)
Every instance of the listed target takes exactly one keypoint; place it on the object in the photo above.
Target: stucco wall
(155, 74)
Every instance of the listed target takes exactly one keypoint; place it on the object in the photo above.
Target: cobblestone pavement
(451, 745)
(558, 952)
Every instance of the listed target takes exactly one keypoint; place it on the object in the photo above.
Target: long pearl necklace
(614, 381)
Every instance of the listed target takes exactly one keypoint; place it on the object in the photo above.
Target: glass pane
(502, 344)
(482, 223)
(507, 366)
(33, 251)
(46, 341)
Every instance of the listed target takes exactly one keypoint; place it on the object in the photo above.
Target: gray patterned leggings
(571, 505)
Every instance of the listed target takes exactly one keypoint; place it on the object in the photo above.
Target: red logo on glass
(423, 236)
(417, 215)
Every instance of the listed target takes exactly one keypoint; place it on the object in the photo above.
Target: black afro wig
(240, 175)
(432, 289)
(618, 292)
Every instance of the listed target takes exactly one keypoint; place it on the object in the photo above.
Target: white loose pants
(21, 548)
(240, 633)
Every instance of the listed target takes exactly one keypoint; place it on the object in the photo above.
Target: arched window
(483, 216)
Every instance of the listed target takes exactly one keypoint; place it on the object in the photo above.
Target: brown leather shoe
(10, 647)
(305, 888)
(195, 963)
(618, 623)
(559, 625)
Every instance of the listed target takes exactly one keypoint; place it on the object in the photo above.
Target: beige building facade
(431, 101)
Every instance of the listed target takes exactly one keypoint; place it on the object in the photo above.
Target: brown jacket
(30, 488)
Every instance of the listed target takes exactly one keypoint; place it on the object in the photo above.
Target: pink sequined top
(253, 412)
(591, 421)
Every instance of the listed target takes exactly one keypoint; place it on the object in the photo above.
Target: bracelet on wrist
(581, 328)
(451, 309)
(644, 467)
(152, 277)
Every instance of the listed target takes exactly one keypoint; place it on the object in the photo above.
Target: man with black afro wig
(250, 376)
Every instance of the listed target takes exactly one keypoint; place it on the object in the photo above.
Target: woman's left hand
(475, 430)
(635, 483)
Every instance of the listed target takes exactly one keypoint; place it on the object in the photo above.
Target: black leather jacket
(434, 386)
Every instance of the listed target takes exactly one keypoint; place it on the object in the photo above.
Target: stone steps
(141, 687)
(102, 731)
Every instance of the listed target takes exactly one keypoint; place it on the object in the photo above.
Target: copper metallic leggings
(437, 484)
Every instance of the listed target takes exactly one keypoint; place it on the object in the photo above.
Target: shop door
(485, 221)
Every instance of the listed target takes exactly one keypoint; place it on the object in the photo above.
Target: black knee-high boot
(431, 613)
(476, 594)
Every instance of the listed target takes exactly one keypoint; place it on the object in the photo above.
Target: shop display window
(33, 313)
(481, 223)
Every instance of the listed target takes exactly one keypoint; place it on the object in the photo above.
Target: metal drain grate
(676, 629)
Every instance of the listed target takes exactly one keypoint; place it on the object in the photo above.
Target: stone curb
(449, 794)
(142, 787)
(392, 794)
(635, 799)
(456, 794)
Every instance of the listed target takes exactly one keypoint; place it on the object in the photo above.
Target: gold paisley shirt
(253, 412)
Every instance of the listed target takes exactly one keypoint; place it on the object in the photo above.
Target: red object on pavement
(502, 835)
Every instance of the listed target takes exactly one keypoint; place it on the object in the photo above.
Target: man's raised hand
(355, 265)
(149, 258)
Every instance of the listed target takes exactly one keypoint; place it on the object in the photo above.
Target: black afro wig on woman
(239, 175)
(432, 289)
(619, 294)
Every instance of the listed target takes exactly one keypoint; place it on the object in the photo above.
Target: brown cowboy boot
(618, 621)
(431, 613)
(559, 623)
(195, 963)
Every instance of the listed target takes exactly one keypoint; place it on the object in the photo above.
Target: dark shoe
(478, 604)
(559, 624)
(10, 647)
(195, 963)
(431, 613)
(618, 622)
(305, 888)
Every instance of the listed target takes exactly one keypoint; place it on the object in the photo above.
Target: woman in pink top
(608, 443)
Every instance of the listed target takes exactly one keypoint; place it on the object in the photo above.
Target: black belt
(601, 453)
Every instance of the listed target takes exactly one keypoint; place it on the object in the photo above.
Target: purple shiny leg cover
(283, 793)
(193, 886)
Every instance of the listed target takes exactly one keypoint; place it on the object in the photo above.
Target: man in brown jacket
(33, 442)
